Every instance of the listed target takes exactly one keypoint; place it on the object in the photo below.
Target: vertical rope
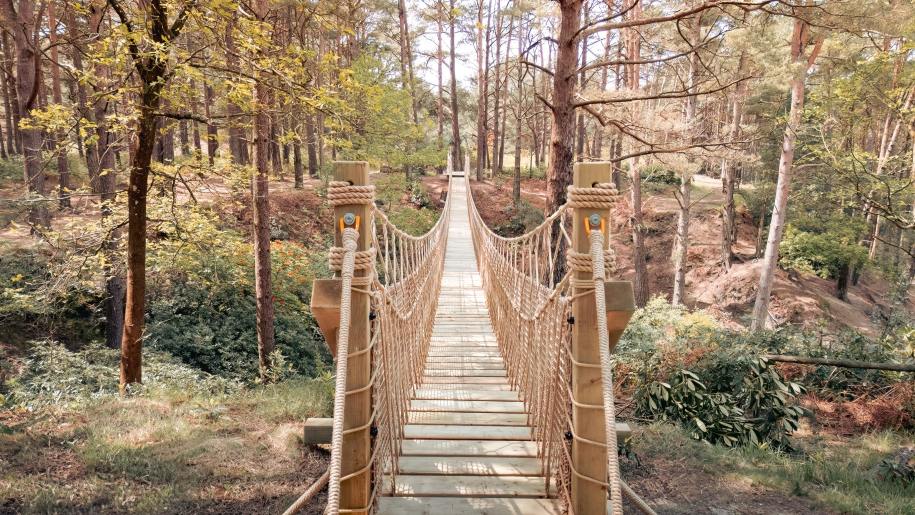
(350, 239)
(606, 365)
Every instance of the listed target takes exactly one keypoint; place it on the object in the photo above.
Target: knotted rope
(347, 269)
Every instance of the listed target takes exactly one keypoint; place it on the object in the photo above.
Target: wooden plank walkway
(467, 446)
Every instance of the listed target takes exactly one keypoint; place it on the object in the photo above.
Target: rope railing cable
(531, 309)
(401, 273)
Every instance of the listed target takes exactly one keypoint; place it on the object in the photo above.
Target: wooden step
(467, 386)
(465, 373)
(474, 448)
(462, 418)
(470, 466)
(466, 395)
(444, 365)
(463, 359)
(465, 506)
(473, 406)
(427, 379)
(476, 486)
(455, 432)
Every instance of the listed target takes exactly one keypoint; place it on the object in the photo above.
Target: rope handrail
(531, 312)
(402, 275)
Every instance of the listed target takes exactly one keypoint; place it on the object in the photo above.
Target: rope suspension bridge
(473, 371)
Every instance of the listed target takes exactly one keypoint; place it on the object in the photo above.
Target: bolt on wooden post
(354, 492)
(587, 414)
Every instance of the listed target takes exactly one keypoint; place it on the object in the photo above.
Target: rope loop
(341, 193)
(600, 196)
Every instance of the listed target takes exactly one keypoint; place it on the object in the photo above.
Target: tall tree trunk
(312, 145)
(681, 244)
(7, 104)
(580, 123)
(598, 142)
(496, 100)
(562, 135)
(23, 27)
(440, 57)
(212, 131)
(799, 41)
(639, 255)
(76, 57)
(516, 183)
(60, 139)
(455, 126)
(9, 56)
(262, 267)
(238, 141)
(729, 174)
(482, 89)
(297, 165)
(406, 58)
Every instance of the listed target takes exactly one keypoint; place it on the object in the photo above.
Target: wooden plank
(475, 406)
(432, 372)
(445, 365)
(468, 448)
(455, 432)
(466, 395)
(465, 386)
(485, 466)
(465, 506)
(469, 418)
(476, 486)
(427, 379)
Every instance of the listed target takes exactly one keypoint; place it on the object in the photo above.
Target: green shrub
(521, 219)
(54, 375)
(659, 175)
(824, 254)
(684, 368)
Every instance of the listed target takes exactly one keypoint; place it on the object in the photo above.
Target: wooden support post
(587, 422)
(354, 493)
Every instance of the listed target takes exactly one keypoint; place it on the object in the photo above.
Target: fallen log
(844, 363)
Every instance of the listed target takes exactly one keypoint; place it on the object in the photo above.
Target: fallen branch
(845, 363)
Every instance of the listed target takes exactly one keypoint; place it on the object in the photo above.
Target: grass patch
(165, 452)
(835, 474)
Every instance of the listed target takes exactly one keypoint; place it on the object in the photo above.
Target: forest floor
(163, 453)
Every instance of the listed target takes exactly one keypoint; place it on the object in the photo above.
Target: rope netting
(530, 305)
(402, 275)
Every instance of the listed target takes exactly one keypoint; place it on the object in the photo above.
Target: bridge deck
(468, 445)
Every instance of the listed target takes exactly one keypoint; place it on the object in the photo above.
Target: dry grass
(168, 454)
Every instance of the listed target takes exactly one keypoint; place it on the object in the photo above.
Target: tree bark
(238, 141)
(406, 58)
(60, 143)
(494, 163)
(455, 126)
(785, 169)
(23, 27)
(262, 267)
(311, 145)
(681, 244)
(9, 55)
(516, 183)
(482, 89)
(639, 258)
(212, 131)
(562, 134)
(440, 57)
